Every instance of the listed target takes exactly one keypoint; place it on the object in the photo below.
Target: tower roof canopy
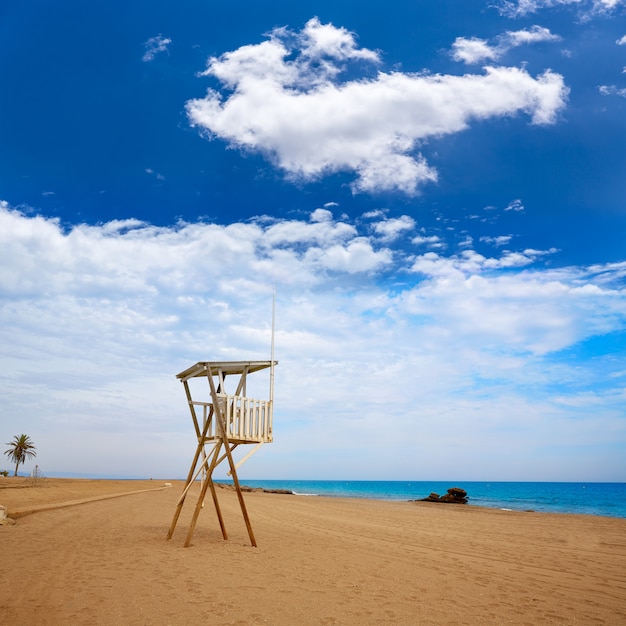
(203, 368)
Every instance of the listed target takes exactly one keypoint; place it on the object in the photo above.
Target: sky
(435, 190)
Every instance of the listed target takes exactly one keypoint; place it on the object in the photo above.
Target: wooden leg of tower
(190, 476)
(194, 519)
(242, 503)
(218, 510)
(214, 464)
(179, 508)
(223, 431)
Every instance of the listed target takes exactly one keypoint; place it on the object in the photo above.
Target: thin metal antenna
(272, 348)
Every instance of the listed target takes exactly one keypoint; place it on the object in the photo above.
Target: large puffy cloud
(286, 99)
(523, 310)
(133, 257)
(96, 320)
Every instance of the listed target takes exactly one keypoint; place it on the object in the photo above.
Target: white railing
(247, 419)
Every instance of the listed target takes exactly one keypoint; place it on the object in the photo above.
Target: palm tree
(21, 448)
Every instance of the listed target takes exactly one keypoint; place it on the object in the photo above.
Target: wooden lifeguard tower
(223, 422)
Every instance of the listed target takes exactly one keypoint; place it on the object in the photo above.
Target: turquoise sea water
(607, 499)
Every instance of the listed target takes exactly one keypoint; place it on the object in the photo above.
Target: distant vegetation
(20, 449)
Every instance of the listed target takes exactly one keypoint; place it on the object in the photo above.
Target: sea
(589, 498)
(606, 499)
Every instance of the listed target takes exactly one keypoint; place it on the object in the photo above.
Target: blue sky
(435, 189)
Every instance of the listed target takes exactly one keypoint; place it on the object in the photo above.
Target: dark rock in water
(263, 490)
(246, 489)
(448, 497)
(455, 491)
(454, 496)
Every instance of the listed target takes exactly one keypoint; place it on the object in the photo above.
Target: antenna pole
(272, 348)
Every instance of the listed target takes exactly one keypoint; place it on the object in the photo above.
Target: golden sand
(318, 561)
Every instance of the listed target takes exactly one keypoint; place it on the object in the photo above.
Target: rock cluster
(454, 496)
(246, 489)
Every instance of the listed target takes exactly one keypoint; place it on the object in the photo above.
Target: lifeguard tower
(223, 422)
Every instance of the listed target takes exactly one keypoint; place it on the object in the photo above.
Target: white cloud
(501, 240)
(519, 8)
(430, 240)
(612, 90)
(608, 4)
(154, 46)
(95, 321)
(373, 214)
(158, 176)
(473, 50)
(515, 205)
(621, 41)
(357, 256)
(534, 34)
(321, 41)
(525, 307)
(390, 229)
(287, 101)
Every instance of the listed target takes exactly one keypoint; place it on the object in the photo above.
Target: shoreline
(110, 489)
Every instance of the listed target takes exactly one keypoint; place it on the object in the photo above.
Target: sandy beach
(77, 555)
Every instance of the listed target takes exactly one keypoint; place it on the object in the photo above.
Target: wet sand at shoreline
(318, 561)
